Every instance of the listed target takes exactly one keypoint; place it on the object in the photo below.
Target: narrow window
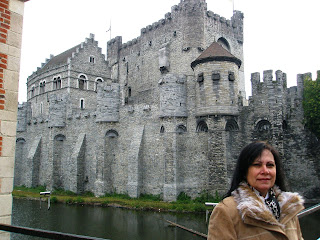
(58, 82)
(54, 83)
(129, 91)
(81, 103)
(91, 59)
(41, 108)
(32, 91)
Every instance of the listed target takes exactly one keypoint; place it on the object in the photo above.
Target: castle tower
(173, 96)
(193, 12)
(217, 75)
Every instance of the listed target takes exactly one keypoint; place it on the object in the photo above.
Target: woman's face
(262, 172)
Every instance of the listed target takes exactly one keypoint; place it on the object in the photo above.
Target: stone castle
(164, 113)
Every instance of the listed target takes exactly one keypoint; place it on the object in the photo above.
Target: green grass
(184, 202)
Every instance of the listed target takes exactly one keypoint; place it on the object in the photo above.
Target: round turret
(217, 75)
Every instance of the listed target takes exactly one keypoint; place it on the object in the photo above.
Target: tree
(311, 104)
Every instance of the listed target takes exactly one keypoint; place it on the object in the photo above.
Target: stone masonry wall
(11, 19)
(150, 127)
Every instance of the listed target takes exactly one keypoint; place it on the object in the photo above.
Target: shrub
(150, 197)
(53, 200)
(311, 104)
(183, 197)
(79, 200)
(88, 194)
(69, 201)
(117, 195)
(62, 192)
(198, 207)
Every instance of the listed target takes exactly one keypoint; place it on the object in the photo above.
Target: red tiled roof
(215, 52)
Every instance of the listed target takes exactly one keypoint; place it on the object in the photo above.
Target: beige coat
(244, 215)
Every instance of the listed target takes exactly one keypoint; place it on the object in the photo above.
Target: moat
(117, 223)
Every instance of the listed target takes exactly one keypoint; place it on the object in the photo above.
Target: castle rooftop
(215, 52)
(62, 58)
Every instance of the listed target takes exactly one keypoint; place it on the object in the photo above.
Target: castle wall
(150, 126)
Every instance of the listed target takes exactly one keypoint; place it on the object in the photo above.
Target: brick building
(11, 19)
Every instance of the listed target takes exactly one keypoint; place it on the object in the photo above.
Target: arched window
(57, 82)
(82, 82)
(232, 125)
(98, 81)
(181, 129)
(42, 87)
(32, 91)
(20, 140)
(224, 43)
(81, 105)
(112, 134)
(162, 129)
(59, 138)
(263, 126)
(202, 126)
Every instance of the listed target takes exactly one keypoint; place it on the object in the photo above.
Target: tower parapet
(268, 83)
(237, 25)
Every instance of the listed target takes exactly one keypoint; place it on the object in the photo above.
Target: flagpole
(109, 29)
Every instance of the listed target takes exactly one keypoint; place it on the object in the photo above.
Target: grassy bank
(184, 203)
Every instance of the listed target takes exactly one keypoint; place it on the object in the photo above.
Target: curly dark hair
(248, 154)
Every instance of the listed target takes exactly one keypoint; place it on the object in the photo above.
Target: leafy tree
(311, 104)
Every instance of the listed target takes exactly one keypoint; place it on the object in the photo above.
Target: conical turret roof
(215, 52)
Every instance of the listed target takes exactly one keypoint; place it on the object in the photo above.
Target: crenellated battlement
(235, 24)
(280, 78)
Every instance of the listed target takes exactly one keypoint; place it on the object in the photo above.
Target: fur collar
(252, 207)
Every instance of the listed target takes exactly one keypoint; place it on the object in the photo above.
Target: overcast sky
(278, 34)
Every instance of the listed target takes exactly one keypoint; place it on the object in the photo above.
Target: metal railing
(44, 233)
(309, 210)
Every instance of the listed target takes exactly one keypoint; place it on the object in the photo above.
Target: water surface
(121, 224)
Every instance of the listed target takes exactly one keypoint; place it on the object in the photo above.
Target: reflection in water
(117, 223)
(104, 222)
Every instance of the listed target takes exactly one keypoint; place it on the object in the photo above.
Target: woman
(256, 205)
